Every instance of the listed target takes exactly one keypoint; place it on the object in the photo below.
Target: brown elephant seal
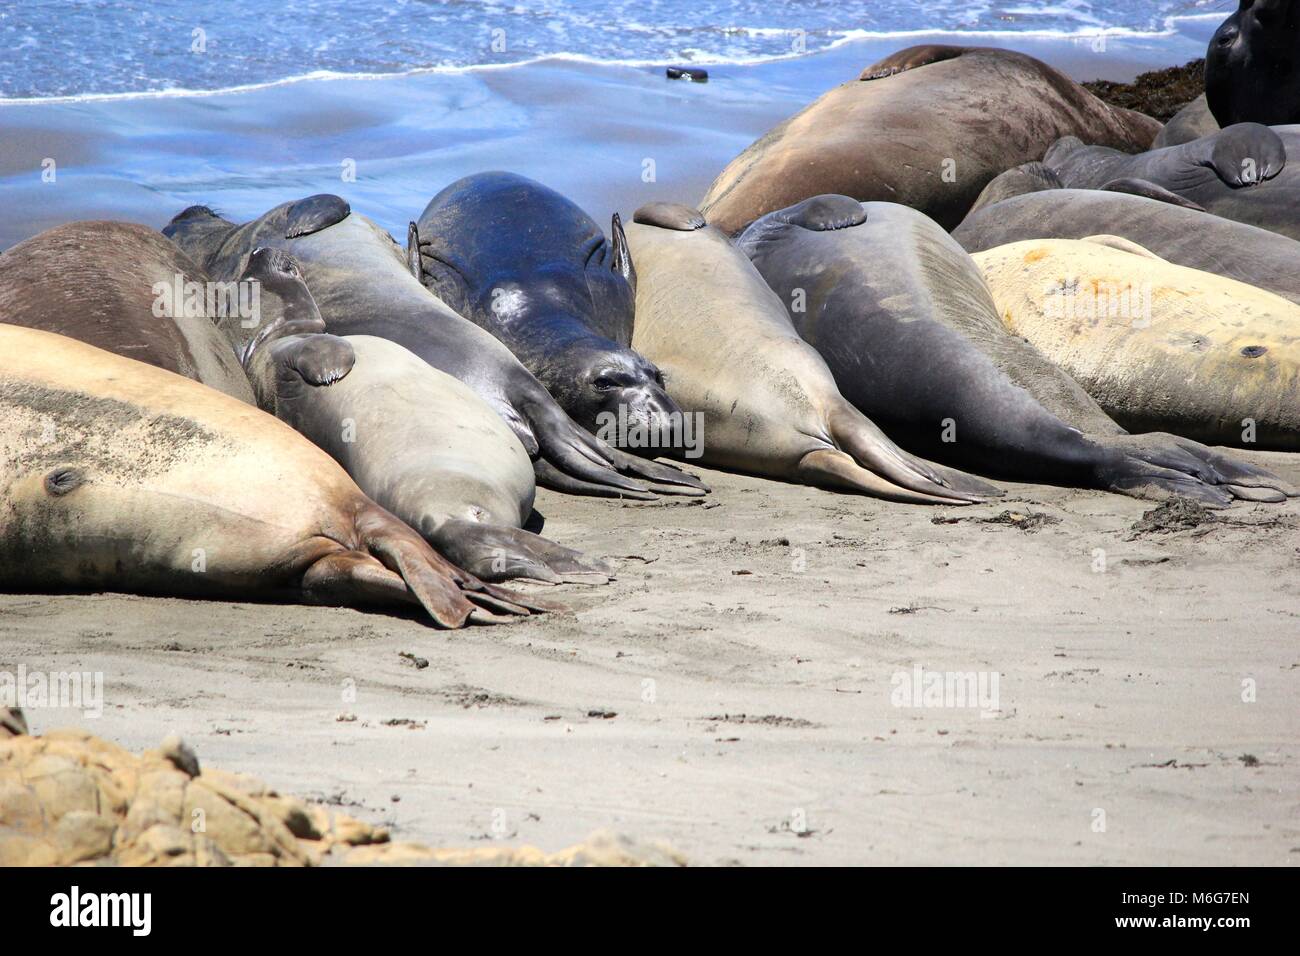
(769, 404)
(907, 326)
(117, 475)
(927, 127)
(363, 284)
(422, 445)
(126, 289)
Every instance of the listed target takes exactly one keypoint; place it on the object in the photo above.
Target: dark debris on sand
(1160, 93)
(1176, 514)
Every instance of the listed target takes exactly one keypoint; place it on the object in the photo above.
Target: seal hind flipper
(1149, 190)
(910, 58)
(313, 214)
(824, 213)
(494, 552)
(670, 215)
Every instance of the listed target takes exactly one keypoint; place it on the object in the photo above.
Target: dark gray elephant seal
(905, 321)
(416, 440)
(927, 127)
(1183, 236)
(363, 286)
(1249, 173)
(1251, 71)
(1191, 122)
(125, 289)
(526, 264)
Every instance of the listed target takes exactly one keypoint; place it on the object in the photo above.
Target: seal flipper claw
(1150, 190)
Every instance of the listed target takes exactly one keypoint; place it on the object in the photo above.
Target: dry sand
(720, 698)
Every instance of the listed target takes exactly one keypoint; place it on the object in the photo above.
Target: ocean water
(79, 48)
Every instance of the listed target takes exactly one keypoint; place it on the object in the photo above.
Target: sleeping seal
(906, 324)
(120, 476)
(126, 289)
(1184, 236)
(728, 351)
(1244, 173)
(417, 441)
(526, 264)
(926, 127)
(362, 285)
(1156, 344)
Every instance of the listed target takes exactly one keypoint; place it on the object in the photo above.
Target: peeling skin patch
(55, 428)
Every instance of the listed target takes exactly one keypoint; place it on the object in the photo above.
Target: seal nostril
(61, 481)
(1254, 351)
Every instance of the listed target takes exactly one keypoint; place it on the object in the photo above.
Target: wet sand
(719, 698)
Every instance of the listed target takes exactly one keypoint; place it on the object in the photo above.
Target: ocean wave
(814, 41)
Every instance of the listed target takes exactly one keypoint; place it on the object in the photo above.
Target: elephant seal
(918, 128)
(126, 289)
(362, 284)
(1244, 173)
(1184, 236)
(1191, 122)
(905, 323)
(117, 475)
(1158, 345)
(1251, 73)
(769, 404)
(526, 264)
(422, 445)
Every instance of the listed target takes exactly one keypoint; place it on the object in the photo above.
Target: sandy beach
(736, 691)
(718, 697)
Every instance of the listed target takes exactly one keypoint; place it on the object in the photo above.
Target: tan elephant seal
(1158, 345)
(770, 407)
(927, 127)
(120, 476)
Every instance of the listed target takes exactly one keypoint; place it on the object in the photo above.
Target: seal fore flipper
(313, 214)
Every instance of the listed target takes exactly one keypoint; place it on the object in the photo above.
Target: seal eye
(604, 383)
(1254, 351)
(61, 481)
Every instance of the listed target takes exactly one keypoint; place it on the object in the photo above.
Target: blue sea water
(67, 48)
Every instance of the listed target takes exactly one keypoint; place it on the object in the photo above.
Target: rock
(71, 798)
